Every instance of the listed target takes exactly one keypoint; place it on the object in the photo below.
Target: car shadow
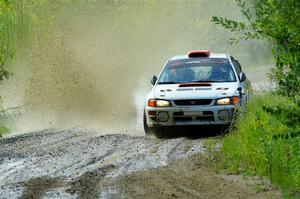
(196, 132)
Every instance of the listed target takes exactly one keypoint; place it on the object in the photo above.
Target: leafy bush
(266, 141)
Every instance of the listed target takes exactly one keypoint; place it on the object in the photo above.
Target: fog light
(153, 113)
(163, 116)
(225, 115)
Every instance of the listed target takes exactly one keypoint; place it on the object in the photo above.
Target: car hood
(195, 91)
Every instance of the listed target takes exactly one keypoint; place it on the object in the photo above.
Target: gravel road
(80, 163)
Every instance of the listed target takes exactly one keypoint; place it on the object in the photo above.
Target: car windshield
(197, 70)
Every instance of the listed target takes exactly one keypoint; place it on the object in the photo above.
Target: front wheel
(159, 132)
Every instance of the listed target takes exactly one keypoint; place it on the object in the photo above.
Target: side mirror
(242, 76)
(153, 80)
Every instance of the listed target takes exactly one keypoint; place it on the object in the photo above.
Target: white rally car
(200, 88)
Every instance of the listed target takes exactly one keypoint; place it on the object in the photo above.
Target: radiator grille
(193, 102)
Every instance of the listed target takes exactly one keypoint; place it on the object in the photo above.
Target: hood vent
(195, 85)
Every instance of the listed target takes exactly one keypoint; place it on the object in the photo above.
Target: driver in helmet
(220, 73)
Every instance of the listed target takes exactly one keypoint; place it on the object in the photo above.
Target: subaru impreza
(199, 88)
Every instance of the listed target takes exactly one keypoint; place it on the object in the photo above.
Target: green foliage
(277, 21)
(266, 141)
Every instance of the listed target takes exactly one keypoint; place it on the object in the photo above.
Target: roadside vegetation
(9, 21)
(265, 140)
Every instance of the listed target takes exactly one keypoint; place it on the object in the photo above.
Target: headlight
(224, 101)
(228, 101)
(159, 103)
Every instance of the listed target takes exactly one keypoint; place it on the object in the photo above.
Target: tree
(278, 22)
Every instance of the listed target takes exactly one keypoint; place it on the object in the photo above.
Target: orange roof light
(198, 53)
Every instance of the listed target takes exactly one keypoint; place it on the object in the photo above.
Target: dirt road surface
(79, 163)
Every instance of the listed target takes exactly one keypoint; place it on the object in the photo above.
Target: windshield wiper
(170, 82)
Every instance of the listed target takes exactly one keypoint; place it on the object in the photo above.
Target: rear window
(197, 70)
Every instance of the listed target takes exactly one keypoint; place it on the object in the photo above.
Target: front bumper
(190, 115)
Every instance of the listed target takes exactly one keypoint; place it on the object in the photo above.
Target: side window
(236, 65)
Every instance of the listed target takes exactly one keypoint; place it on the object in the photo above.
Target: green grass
(3, 126)
(3, 129)
(266, 142)
(3, 123)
